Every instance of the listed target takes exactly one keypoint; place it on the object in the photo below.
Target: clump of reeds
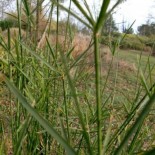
(52, 111)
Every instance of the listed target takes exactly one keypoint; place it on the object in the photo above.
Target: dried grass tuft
(123, 65)
(14, 32)
(80, 43)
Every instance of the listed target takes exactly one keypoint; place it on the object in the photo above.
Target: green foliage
(147, 29)
(86, 104)
(63, 24)
(130, 41)
(13, 17)
(7, 23)
(128, 30)
(109, 26)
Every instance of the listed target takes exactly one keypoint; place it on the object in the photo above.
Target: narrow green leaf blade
(102, 15)
(139, 120)
(43, 122)
(39, 58)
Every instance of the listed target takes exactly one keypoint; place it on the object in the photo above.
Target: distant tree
(123, 25)
(4, 4)
(147, 29)
(109, 26)
(85, 31)
(6, 23)
(38, 17)
(62, 26)
(128, 30)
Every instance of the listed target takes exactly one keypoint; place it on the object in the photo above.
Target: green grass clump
(130, 41)
(135, 42)
(62, 103)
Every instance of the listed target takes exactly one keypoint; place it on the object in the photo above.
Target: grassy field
(120, 85)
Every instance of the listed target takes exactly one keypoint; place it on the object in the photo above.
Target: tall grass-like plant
(60, 103)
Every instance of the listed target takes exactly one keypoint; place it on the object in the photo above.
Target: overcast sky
(130, 11)
(138, 10)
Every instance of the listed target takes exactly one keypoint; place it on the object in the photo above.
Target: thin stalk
(43, 122)
(66, 111)
(84, 12)
(74, 94)
(133, 143)
(137, 76)
(67, 25)
(88, 9)
(50, 19)
(98, 90)
(38, 17)
(102, 15)
(74, 15)
(19, 25)
(108, 74)
(149, 68)
(57, 31)
(115, 82)
(129, 118)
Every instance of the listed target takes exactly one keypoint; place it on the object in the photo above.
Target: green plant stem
(66, 111)
(43, 122)
(137, 123)
(57, 31)
(84, 12)
(73, 92)
(98, 90)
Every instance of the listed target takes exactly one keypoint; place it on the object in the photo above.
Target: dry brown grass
(14, 33)
(79, 42)
(106, 54)
(123, 65)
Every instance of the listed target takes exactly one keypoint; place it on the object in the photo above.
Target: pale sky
(138, 10)
(130, 10)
